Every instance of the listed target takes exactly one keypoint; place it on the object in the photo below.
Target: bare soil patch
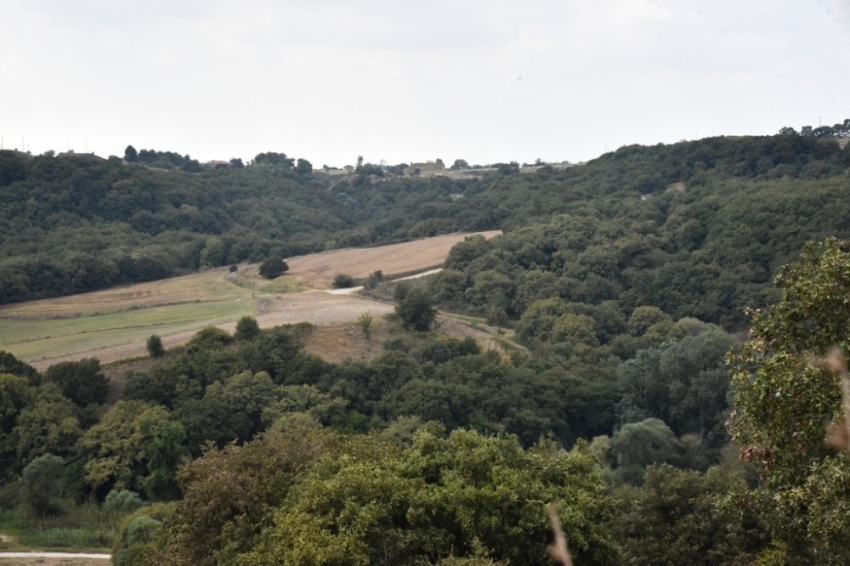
(318, 270)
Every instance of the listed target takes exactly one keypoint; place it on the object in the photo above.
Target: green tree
(82, 382)
(684, 383)
(122, 501)
(273, 267)
(459, 165)
(416, 310)
(49, 424)
(130, 154)
(784, 403)
(43, 485)
(684, 517)
(247, 328)
(303, 167)
(461, 496)
(155, 347)
(117, 449)
(638, 445)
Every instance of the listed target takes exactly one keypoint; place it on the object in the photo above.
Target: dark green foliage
(416, 310)
(317, 497)
(130, 154)
(273, 267)
(684, 517)
(82, 382)
(209, 338)
(12, 365)
(343, 281)
(785, 403)
(374, 279)
(683, 383)
(155, 347)
(247, 328)
(123, 501)
(42, 479)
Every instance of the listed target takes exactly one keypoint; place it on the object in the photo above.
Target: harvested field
(114, 324)
(53, 559)
(318, 270)
(314, 307)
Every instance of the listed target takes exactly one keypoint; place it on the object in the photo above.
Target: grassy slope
(55, 327)
(52, 328)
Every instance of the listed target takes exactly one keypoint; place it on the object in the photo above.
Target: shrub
(416, 311)
(343, 281)
(273, 267)
(43, 485)
(365, 321)
(124, 501)
(155, 347)
(247, 328)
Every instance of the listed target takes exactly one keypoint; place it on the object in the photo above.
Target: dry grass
(53, 561)
(114, 324)
(318, 270)
(345, 341)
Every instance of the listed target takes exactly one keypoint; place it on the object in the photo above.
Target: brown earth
(318, 270)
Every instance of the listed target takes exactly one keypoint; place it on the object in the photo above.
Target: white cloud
(485, 80)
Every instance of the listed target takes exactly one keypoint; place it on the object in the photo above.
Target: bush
(82, 382)
(124, 501)
(273, 267)
(247, 328)
(416, 311)
(343, 281)
(155, 347)
(43, 485)
(374, 278)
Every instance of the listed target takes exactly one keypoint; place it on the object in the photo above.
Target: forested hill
(696, 228)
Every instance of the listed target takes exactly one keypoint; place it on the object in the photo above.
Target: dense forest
(696, 228)
(635, 403)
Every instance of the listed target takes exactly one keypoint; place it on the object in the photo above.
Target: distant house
(427, 169)
(217, 164)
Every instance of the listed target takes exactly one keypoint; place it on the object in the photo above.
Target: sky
(482, 80)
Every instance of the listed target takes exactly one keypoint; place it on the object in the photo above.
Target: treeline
(710, 219)
(268, 453)
(245, 449)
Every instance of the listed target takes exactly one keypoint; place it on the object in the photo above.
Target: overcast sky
(401, 81)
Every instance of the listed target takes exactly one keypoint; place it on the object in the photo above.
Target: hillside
(391, 434)
(114, 324)
(712, 219)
